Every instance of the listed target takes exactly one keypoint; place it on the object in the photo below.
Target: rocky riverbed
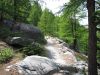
(60, 52)
(60, 60)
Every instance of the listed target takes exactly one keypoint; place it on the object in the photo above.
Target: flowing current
(58, 51)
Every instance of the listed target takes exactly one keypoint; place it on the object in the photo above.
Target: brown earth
(16, 58)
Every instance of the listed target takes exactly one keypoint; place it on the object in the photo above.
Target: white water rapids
(59, 52)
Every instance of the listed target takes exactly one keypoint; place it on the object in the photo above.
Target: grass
(5, 55)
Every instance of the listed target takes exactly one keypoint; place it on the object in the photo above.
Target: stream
(60, 60)
(58, 51)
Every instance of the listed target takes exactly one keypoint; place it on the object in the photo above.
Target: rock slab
(34, 65)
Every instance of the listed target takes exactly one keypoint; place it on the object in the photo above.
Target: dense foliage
(35, 14)
(33, 49)
(46, 22)
(14, 9)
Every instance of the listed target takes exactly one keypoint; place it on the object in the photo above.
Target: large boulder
(37, 65)
(34, 65)
(25, 30)
(29, 31)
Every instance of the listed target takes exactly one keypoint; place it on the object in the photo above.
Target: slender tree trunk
(1, 12)
(1, 17)
(74, 33)
(75, 38)
(14, 15)
(92, 61)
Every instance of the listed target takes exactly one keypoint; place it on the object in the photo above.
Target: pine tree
(35, 13)
(46, 22)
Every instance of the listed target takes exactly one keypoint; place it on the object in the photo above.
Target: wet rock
(82, 67)
(35, 65)
(81, 64)
(19, 41)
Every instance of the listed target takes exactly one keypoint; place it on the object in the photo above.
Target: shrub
(33, 49)
(5, 55)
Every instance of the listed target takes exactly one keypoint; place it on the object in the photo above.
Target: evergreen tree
(15, 9)
(46, 22)
(35, 13)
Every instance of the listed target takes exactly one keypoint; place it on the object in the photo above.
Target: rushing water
(62, 55)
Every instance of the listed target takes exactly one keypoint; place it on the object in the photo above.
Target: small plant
(33, 49)
(5, 55)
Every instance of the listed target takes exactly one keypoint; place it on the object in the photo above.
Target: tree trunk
(1, 13)
(14, 15)
(74, 25)
(1, 17)
(92, 61)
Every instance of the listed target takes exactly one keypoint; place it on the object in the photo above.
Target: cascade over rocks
(60, 51)
(60, 61)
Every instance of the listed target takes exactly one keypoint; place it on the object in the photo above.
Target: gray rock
(8, 23)
(35, 65)
(19, 41)
(27, 30)
(81, 65)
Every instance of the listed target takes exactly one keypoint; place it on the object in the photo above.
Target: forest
(24, 24)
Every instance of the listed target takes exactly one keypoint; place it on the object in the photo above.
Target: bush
(33, 49)
(5, 55)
